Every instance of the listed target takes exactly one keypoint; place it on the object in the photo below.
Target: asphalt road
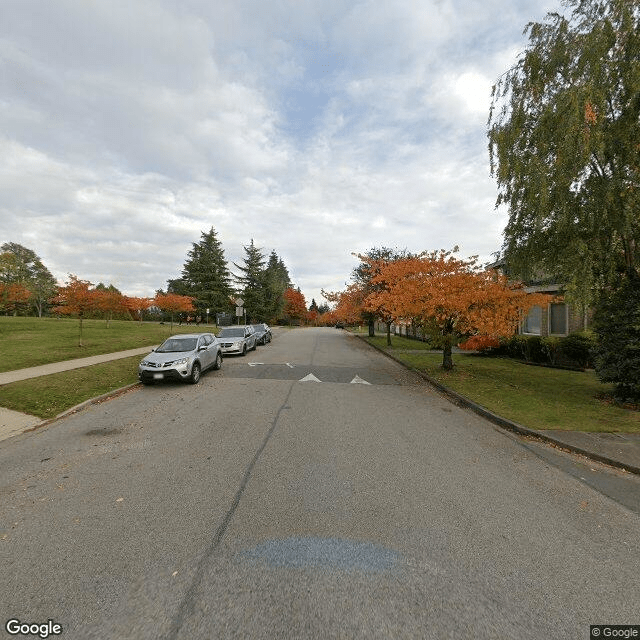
(357, 503)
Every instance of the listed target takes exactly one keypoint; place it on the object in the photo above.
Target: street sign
(239, 302)
(239, 311)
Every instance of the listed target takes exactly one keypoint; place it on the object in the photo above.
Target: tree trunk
(80, 342)
(447, 360)
(388, 334)
(372, 331)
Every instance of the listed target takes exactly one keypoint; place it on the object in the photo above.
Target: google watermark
(46, 629)
(598, 631)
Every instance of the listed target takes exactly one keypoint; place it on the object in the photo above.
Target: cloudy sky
(316, 127)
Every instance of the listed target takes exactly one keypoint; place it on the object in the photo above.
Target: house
(559, 318)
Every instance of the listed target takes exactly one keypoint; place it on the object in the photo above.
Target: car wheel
(218, 363)
(195, 373)
(244, 349)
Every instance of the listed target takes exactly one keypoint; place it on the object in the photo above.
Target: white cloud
(317, 129)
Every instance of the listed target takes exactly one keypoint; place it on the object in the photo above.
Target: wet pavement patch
(103, 432)
(324, 553)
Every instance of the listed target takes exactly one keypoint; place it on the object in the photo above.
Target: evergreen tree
(252, 283)
(617, 325)
(205, 276)
(177, 285)
(313, 306)
(277, 281)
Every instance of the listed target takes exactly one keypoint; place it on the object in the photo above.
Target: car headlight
(181, 361)
(237, 344)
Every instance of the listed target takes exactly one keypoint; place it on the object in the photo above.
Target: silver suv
(182, 357)
(237, 339)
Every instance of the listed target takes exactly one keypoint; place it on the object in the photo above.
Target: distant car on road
(339, 324)
(237, 339)
(181, 357)
(263, 332)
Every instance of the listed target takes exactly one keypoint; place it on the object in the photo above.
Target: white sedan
(237, 339)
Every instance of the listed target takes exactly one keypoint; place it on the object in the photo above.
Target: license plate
(158, 376)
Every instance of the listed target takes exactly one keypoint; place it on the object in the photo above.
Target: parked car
(263, 332)
(237, 339)
(181, 357)
(339, 324)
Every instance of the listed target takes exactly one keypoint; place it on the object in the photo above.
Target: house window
(558, 319)
(533, 322)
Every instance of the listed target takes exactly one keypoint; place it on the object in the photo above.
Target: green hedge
(576, 350)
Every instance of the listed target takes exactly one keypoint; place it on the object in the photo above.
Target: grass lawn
(398, 343)
(535, 397)
(28, 342)
(48, 396)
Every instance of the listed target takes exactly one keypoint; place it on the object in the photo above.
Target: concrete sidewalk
(56, 367)
(14, 422)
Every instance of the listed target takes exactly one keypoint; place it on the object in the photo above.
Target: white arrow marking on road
(359, 380)
(254, 364)
(289, 365)
(310, 378)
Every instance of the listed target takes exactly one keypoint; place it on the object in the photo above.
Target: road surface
(312, 489)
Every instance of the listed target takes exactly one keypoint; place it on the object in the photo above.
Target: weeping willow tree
(564, 143)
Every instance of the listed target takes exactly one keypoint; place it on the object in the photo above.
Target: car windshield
(177, 344)
(231, 333)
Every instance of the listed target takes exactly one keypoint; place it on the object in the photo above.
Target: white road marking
(310, 378)
(286, 364)
(359, 380)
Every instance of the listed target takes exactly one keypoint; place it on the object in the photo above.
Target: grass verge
(535, 397)
(48, 396)
(29, 342)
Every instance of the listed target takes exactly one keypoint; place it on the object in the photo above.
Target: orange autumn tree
(454, 296)
(110, 301)
(136, 306)
(173, 303)
(76, 298)
(349, 304)
(368, 274)
(13, 296)
(295, 306)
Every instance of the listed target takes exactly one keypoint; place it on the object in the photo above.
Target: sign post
(239, 310)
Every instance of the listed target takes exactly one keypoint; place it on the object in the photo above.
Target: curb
(83, 405)
(505, 423)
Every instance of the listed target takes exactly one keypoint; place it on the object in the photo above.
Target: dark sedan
(263, 332)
